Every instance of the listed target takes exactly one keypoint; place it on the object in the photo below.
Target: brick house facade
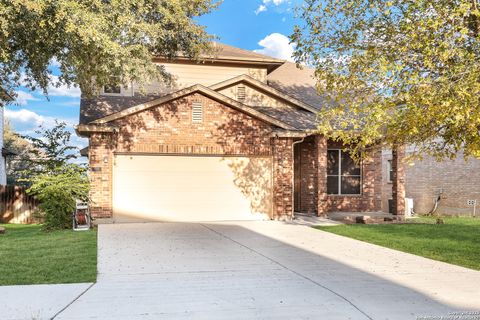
(454, 181)
(279, 164)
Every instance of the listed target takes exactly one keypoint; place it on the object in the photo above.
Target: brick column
(398, 183)
(321, 148)
(282, 179)
(100, 163)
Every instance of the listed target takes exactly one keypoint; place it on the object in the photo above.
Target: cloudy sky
(259, 25)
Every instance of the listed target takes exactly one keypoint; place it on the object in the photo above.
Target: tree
(21, 150)
(52, 177)
(57, 193)
(51, 149)
(397, 72)
(95, 42)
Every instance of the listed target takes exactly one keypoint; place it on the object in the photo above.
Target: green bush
(57, 192)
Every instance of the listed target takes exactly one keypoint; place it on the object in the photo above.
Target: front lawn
(457, 241)
(29, 255)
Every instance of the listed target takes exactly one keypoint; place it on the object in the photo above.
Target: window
(112, 88)
(241, 93)
(197, 112)
(389, 171)
(343, 174)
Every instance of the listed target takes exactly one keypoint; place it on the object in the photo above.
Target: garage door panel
(188, 188)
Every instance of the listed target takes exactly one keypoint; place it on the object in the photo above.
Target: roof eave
(184, 92)
(264, 87)
(85, 130)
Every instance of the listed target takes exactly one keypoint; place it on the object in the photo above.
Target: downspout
(293, 174)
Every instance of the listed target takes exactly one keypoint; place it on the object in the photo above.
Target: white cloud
(260, 8)
(62, 90)
(266, 3)
(275, 2)
(54, 62)
(26, 120)
(24, 117)
(23, 98)
(276, 45)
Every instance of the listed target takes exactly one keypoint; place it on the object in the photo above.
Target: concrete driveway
(263, 270)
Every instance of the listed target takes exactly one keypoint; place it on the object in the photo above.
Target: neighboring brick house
(232, 138)
(454, 182)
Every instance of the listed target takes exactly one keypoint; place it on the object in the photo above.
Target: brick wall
(169, 129)
(306, 176)
(457, 180)
(313, 196)
(101, 159)
(283, 178)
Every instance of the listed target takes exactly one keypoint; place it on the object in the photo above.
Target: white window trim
(340, 177)
(389, 168)
(124, 91)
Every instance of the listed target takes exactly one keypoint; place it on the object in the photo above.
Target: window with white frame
(113, 87)
(389, 171)
(344, 175)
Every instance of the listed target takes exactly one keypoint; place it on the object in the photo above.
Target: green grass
(29, 255)
(457, 241)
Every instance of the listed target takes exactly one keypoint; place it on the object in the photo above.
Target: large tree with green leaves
(52, 176)
(396, 71)
(95, 41)
(20, 157)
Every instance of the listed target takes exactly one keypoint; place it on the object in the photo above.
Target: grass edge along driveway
(29, 255)
(456, 242)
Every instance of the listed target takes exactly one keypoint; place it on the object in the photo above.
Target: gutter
(84, 130)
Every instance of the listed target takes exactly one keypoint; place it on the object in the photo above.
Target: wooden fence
(16, 206)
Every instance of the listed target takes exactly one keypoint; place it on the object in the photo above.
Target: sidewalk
(34, 302)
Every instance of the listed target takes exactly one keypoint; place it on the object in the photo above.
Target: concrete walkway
(36, 302)
(263, 270)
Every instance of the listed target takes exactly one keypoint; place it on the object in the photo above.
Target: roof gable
(187, 91)
(265, 88)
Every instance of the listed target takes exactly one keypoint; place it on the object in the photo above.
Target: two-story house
(232, 138)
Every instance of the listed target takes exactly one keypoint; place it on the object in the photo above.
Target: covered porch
(328, 182)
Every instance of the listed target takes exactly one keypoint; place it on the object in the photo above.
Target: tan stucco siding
(254, 97)
(186, 75)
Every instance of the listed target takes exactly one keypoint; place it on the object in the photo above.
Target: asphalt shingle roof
(287, 78)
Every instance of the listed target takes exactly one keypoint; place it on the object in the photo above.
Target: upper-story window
(112, 87)
(343, 174)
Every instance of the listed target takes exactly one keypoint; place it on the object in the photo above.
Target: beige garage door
(190, 188)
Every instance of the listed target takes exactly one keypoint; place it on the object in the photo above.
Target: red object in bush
(81, 218)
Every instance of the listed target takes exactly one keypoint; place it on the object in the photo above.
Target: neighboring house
(450, 183)
(232, 138)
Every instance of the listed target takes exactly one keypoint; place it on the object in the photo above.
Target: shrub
(57, 192)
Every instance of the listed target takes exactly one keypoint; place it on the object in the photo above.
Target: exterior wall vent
(241, 95)
(197, 112)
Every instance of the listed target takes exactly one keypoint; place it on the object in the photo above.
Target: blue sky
(260, 25)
